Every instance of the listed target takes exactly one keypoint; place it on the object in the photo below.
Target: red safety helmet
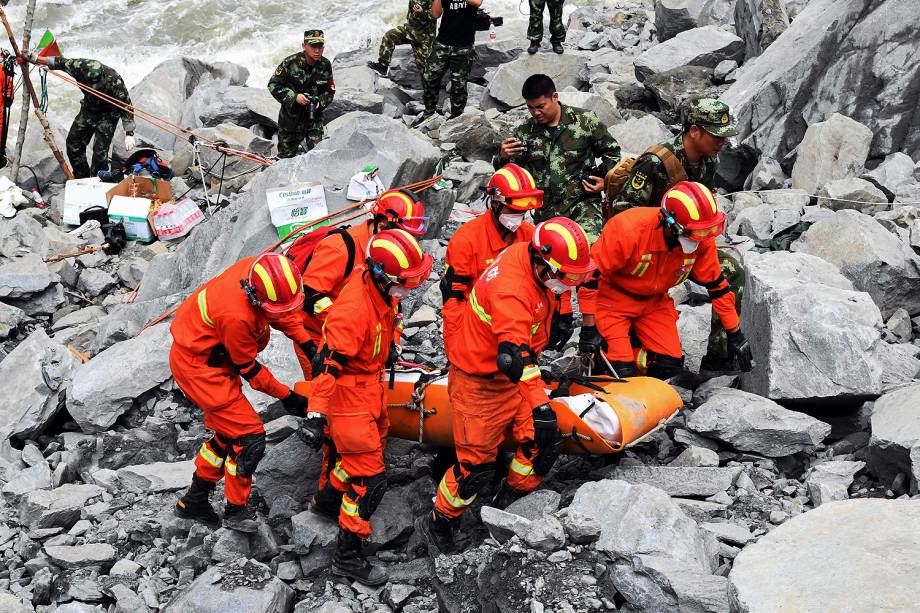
(397, 256)
(515, 188)
(403, 208)
(690, 210)
(274, 285)
(564, 246)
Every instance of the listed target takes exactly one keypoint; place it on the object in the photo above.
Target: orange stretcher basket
(420, 410)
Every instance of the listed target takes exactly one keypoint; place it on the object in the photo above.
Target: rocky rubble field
(792, 487)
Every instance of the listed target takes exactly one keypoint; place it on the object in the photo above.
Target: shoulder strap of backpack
(672, 165)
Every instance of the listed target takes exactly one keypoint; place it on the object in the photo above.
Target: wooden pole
(24, 114)
(49, 137)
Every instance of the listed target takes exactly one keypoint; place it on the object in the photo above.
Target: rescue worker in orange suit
(340, 252)
(641, 254)
(512, 192)
(349, 392)
(217, 334)
(494, 382)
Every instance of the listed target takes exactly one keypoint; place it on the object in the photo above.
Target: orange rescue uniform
(636, 269)
(472, 248)
(217, 335)
(359, 329)
(324, 278)
(507, 304)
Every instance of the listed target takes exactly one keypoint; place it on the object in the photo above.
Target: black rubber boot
(557, 48)
(533, 48)
(240, 518)
(505, 496)
(379, 67)
(327, 502)
(349, 561)
(196, 504)
(437, 532)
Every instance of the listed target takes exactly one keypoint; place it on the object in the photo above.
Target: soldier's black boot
(196, 504)
(327, 502)
(241, 518)
(437, 532)
(379, 67)
(533, 48)
(557, 48)
(349, 561)
(505, 495)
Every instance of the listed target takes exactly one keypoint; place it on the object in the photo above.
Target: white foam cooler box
(81, 194)
(134, 210)
(295, 205)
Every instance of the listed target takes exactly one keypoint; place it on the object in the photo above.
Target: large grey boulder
(505, 86)
(759, 23)
(244, 227)
(833, 46)
(833, 149)
(157, 477)
(10, 318)
(829, 559)
(896, 171)
(693, 327)
(106, 386)
(706, 46)
(674, 89)
(243, 586)
(675, 16)
(37, 371)
(604, 107)
(640, 519)
(476, 137)
(80, 556)
(870, 256)
(749, 422)
(852, 193)
(22, 277)
(697, 481)
(237, 171)
(830, 481)
(765, 221)
(280, 359)
(288, 469)
(60, 507)
(165, 90)
(636, 135)
(23, 235)
(653, 583)
(217, 102)
(812, 335)
(355, 91)
(895, 429)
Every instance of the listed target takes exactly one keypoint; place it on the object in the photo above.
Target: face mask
(687, 244)
(556, 286)
(398, 291)
(512, 221)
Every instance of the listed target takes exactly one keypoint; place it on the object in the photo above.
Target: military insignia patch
(278, 71)
(725, 118)
(638, 180)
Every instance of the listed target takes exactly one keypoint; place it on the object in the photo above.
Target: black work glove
(311, 430)
(295, 404)
(309, 349)
(590, 340)
(560, 331)
(739, 347)
(545, 428)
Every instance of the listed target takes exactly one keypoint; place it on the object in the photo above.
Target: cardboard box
(134, 211)
(81, 194)
(296, 205)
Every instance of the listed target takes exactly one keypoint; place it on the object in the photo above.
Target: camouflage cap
(713, 116)
(314, 37)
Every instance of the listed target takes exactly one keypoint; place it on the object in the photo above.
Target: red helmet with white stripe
(397, 256)
(690, 210)
(564, 246)
(274, 284)
(516, 188)
(402, 208)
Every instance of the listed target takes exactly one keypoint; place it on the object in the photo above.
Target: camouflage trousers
(444, 58)
(406, 35)
(535, 26)
(100, 128)
(733, 272)
(289, 141)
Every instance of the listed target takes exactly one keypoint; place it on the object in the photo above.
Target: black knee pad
(376, 488)
(253, 451)
(625, 369)
(480, 476)
(664, 366)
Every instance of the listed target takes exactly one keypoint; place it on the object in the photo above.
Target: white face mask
(556, 286)
(687, 244)
(398, 291)
(512, 221)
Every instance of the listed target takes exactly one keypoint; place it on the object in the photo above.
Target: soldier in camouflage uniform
(418, 31)
(707, 126)
(301, 82)
(535, 25)
(452, 52)
(97, 118)
(560, 145)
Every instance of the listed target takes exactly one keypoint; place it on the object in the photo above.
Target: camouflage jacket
(294, 76)
(648, 180)
(557, 160)
(421, 23)
(109, 83)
